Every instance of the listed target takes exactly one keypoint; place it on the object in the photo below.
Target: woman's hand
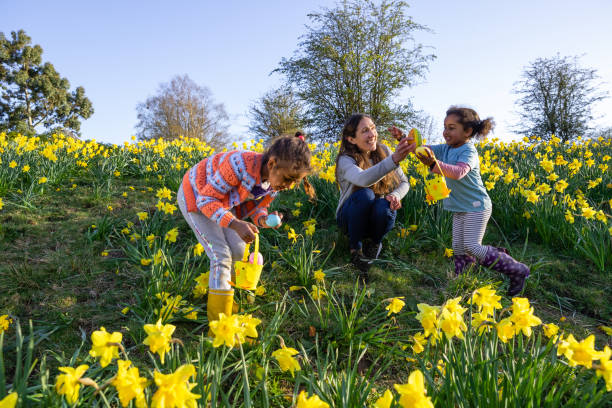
(244, 229)
(394, 203)
(401, 151)
(426, 156)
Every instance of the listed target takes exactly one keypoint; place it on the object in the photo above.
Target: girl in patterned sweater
(220, 192)
(468, 200)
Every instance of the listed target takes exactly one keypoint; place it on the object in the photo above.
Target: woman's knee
(381, 210)
(363, 194)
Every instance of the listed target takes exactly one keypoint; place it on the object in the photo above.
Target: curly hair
(292, 153)
(469, 119)
(364, 161)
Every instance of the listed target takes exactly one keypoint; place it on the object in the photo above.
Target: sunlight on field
(475, 347)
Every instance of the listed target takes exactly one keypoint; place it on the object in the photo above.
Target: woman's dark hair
(469, 119)
(387, 183)
(294, 154)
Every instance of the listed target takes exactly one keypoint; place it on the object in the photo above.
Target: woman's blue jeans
(363, 215)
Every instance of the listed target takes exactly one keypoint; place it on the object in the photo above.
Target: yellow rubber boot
(219, 301)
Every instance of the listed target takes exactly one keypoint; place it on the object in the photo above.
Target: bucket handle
(245, 257)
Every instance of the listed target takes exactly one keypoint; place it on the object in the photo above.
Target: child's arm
(452, 171)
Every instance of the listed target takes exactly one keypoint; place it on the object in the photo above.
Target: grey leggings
(468, 230)
(222, 245)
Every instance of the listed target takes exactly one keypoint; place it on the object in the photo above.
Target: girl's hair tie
(300, 135)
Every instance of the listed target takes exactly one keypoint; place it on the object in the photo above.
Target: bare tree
(278, 112)
(356, 57)
(183, 108)
(556, 97)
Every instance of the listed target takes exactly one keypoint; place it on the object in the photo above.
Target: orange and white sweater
(223, 182)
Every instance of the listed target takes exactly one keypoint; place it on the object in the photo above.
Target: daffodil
(129, 384)
(448, 252)
(292, 235)
(522, 316)
(158, 338)
(174, 390)
(428, 316)
(486, 299)
(249, 323)
(413, 393)
(319, 275)
(583, 352)
(198, 249)
(317, 292)
(10, 401)
(312, 402)
(419, 341)
(604, 368)
(395, 306)
(105, 345)
(69, 384)
(172, 234)
(453, 306)
(550, 330)
(384, 401)
(505, 329)
(142, 215)
(285, 359)
(201, 285)
(452, 324)
(227, 330)
(5, 322)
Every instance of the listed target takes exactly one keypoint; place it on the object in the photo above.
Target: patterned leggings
(468, 230)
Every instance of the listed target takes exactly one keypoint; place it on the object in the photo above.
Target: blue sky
(120, 51)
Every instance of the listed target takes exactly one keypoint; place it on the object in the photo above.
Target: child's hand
(394, 203)
(396, 132)
(244, 229)
(264, 220)
(425, 155)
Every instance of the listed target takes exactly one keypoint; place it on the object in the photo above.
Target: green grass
(53, 274)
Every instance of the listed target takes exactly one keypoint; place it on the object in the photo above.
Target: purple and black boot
(500, 261)
(463, 262)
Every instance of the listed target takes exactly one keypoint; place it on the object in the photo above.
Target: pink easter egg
(259, 258)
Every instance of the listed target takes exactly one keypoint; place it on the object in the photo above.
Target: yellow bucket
(248, 271)
(435, 187)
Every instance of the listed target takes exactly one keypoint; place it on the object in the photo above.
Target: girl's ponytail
(469, 119)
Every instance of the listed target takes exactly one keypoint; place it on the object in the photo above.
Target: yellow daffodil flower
(68, 384)
(395, 306)
(285, 359)
(105, 345)
(129, 384)
(227, 330)
(201, 285)
(413, 393)
(174, 390)
(604, 368)
(10, 401)
(384, 401)
(172, 234)
(158, 338)
(5, 322)
(312, 402)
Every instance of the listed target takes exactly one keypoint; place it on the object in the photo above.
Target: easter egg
(422, 151)
(273, 220)
(259, 258)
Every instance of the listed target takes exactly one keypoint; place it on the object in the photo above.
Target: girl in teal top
(468, 200)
